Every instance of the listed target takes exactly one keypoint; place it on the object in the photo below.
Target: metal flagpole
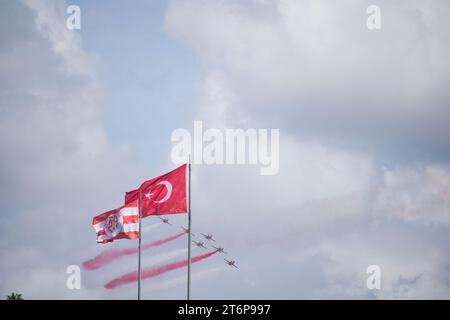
(189, 232)
(139, 250)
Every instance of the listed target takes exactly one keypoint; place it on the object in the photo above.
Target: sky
(364, 175)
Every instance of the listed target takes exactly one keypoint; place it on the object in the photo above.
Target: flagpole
(189, 232)
(139, 250)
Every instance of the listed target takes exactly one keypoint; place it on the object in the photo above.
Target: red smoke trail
(108, 256)
(155, 271)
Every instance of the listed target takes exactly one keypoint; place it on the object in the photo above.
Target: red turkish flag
(165, 194)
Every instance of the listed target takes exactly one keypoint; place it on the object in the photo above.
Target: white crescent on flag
(168, 186)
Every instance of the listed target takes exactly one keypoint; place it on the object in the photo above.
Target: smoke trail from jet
(150, 227)
(122, 266)
(182, 280)
(151, 260)
(108, 256)
(154, 271)
(161, 258)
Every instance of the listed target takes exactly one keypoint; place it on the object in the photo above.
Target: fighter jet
(231, 263)
(219, 249)
(187, 231)
(208, 237)
(199, 244)
(164, 220)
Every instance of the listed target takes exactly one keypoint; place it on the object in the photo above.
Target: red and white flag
(165, 194)
(120, 223)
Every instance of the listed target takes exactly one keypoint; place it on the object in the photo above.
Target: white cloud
(64, 42)
(412, 266)
(58, 168)
(313, 68)
(343, 97)
(415, 195)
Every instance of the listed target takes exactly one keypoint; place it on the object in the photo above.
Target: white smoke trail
(150, 260)
(150, 227)
(181, 280)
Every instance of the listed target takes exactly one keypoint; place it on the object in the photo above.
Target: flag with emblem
(120, 223)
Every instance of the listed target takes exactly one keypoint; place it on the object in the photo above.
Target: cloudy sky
(363, 115)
